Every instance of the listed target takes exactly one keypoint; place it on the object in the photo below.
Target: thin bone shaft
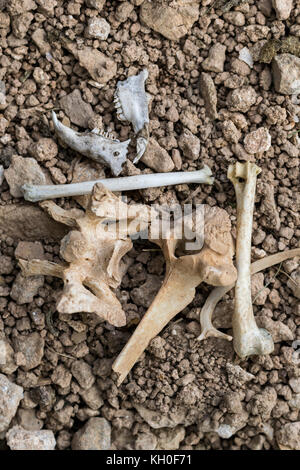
(207, 328)
(36, 193)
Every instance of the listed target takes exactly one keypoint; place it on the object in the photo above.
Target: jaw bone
(248, 338)
(131, 102)
(101, 148)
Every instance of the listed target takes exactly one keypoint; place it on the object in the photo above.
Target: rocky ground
(208, 106)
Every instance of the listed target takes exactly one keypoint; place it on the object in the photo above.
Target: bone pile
(131, 102)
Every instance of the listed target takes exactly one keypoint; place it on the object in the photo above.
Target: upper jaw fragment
(131, 102)
(95, 145)
(248, 338)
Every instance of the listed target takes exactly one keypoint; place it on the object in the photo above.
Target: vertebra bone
(212, 264)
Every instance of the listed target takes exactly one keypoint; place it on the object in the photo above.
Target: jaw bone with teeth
(99, 147)
(131, 102)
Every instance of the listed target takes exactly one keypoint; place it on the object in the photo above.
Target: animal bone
(35, 193)
(248, 339)
(93, 253)
(131, 102)
(101, 148)
(207, 328)
(212, 264)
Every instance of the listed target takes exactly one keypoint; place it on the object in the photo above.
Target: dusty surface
(181, 394)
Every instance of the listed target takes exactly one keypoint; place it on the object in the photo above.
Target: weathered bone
(93, 252)
(207, 328)
(131, 102)
(36, 193)
(100, 148)
(213, 265)
(248, 339)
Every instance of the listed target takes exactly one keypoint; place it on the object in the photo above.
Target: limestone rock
(97, 4)
(97, 28)
(294, 283)
(157, 420)
(144, 294)
(92, 397)
(209, 94)
(39, 38)
(189, 144)
(123, 11)
(82, 372)
(21, 171)
(27, 419)
(100, 67)
(279, 331)
(10, 397)
(21, 23)
(94, 435)
(44, 149)
(241, 99)
(29, 250)
(157, 157)
(145, 441)
(16, 7)
(32, 347)
(172, 21)
(23, 439)
(28, 222)
(258, 141)
(24, 289)
(216, 58)
(76, 109)
(7, 363)
(288, 437)
(283, 8)
(286, 74)
(170, 439)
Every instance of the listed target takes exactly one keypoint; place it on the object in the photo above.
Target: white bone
(207, 328)
(35, 193)
(131, 102)
(248, 339)
(94, 145)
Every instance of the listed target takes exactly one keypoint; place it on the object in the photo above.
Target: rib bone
(248, 339)
(93, 145)
(36, 193)
(207, 328)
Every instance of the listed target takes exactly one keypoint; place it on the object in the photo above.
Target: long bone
(207, 328)
(100, 148)
(131, 102)
(248, 339)
(213, 264)
(36, 193)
